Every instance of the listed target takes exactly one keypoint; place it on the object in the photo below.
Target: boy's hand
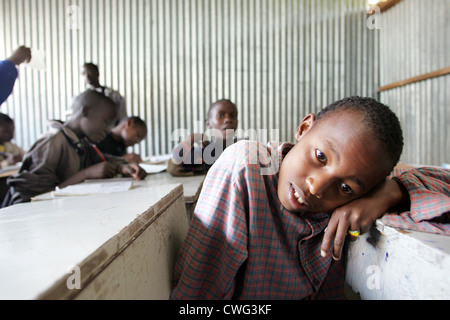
(132, 157)
(97, 171)
(22, 54)
(133, 169)
(359, 215)
(100, 170)
(13, 158)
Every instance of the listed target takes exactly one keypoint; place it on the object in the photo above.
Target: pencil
(99, 152)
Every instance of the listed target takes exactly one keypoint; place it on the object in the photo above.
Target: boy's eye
(321, 156)
(346, 188)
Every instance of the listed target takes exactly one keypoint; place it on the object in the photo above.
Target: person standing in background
(9, 72)
(91, 74)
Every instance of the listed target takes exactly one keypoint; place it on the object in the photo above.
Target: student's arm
(97, 171)
(133, 170)
(105, 170)
(132, 157)
(125, 168)
(423, 191)
(8, 78)
(216, 245)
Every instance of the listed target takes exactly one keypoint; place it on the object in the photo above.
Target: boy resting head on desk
(257, 231)
(70, 156)
(127, 133)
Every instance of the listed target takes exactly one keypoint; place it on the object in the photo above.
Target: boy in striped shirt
(258, 229)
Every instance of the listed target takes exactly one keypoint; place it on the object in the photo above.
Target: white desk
(402, 265)
(125, 245)
(192, 186)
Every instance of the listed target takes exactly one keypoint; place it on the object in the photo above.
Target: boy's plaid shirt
(243, 244)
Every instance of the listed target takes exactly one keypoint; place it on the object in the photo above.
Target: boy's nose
(228, 119)
(317, 185)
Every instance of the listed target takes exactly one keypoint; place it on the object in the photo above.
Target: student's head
(132, 130)
(91, 73)
(6, 128)
(340, 154)
(93, 115)
(223, 116)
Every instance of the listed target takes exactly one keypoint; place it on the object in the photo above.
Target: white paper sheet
(37, 60)
(153, 168)
(94, 188)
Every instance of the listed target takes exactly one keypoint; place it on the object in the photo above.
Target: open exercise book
(101, 186)
(95, 187)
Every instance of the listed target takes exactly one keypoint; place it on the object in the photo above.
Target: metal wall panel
(278, 60)
(414, 40)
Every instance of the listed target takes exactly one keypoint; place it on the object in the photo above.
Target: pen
(99, 152)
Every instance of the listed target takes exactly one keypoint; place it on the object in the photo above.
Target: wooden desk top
(41, 241)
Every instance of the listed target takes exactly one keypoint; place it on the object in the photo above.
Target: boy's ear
(305, 125)
(85, 111)
(130, 123)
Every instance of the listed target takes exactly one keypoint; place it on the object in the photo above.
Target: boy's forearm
(395, 194)
(76, 178)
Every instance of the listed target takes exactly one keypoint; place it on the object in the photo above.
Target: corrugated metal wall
(277, 59)
(414, 40)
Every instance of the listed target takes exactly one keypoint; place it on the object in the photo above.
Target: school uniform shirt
(243, 244)
(111, 146)
(50, 161)
(189, 160)
(429, 192)
(9, 73)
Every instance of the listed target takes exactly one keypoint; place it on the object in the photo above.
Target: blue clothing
(8, 76)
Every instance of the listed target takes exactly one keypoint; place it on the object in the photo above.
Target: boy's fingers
(328, 238)
(339, 240)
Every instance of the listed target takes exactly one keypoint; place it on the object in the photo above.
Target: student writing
(67, 156)
(127, 133)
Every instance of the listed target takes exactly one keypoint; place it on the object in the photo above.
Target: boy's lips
(297, 198)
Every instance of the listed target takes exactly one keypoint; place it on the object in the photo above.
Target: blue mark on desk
(386, 257)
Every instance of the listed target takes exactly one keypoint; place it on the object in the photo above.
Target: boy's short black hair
(5, 119)
(137, 121)
(217, 102)
(378, 117)
(91, 99)
(92, 66)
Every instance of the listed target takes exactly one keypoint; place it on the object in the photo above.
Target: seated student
(127, 133)
(259, 233)
(10, 153)
(69, 156)
(189, 158)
